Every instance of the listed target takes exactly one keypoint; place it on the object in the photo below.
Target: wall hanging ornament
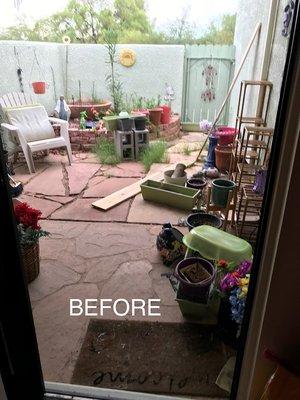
(19, 70)
(127, 57)
(287, 18)
(209, 73)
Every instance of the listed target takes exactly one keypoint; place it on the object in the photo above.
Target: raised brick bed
(167, 132)
(85, 139)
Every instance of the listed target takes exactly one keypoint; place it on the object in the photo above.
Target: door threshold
(65, 391)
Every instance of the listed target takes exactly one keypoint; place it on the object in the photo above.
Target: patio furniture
(30, 127)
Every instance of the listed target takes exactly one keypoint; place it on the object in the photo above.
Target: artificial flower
(244, 268)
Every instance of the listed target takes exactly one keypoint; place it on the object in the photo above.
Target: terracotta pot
(77, 108)
(155, 115)
(39, 87)
(223, 157)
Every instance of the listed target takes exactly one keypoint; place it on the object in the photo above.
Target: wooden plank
(124, 194)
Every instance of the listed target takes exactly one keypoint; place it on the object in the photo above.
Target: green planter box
(169, 194)
(111, 122)
(206, 314)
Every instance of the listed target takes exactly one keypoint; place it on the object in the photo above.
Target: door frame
(20, 364)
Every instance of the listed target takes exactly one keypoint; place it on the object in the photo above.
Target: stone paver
(128, 169)
(46, 206)
(147, 212)
(60, 336)
(82, 210)
(103, 187)
(62, 180)
(79, 175)
(53, 276)
(22, 174)
(60, 199)
(49, 182)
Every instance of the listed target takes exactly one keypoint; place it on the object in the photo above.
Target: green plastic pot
(220, 191)
(111, 122)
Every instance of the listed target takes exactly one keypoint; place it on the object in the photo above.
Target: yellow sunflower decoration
(127, 57)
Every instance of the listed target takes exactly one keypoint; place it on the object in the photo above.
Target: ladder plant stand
(248, 213)
(247, 90)
(252, 151)
(230, 206)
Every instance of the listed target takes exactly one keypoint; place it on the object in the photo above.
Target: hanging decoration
(209, 73)
(39, 87)
(19, 70)
(287, 18)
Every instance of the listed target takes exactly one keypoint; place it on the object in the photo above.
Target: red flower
(27, 216)
(222, 264)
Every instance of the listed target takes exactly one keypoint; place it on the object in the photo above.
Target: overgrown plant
(106, 152)
(155, 153)
(113, 82)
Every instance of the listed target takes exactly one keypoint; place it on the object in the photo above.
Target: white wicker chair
(29, 125)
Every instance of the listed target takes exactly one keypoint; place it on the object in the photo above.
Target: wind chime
(209, 73)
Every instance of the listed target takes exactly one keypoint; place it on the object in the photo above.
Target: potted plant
(232, 283)
(29, 232)
(154, 111)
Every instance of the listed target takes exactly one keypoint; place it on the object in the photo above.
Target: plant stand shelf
(224, 211)
(141, 141)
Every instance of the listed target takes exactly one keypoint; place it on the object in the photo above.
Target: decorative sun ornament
(127, 57)
(66, 39)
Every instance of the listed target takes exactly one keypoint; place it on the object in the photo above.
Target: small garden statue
(62, 109)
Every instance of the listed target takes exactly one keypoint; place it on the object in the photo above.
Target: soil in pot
(196, 183)
(195, 273)
(201, 218)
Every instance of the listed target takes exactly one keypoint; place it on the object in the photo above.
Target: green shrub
(106, 152)
(155, 153)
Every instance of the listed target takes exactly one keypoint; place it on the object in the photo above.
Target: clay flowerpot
(223, 157)
(155, 115)
(39, 87)
(76, 108)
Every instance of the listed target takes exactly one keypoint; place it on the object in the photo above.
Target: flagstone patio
(92, 253)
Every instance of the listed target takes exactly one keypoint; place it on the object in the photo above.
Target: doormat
(151, 357)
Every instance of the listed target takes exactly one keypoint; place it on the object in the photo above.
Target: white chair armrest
(58, 121)
(9, 127)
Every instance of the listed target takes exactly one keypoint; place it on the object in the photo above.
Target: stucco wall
(155, 65)
(248, 15)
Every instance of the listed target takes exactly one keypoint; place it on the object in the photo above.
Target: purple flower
(229, 281)
(244, 268)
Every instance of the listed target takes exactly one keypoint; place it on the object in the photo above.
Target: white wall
(248, 15)
(155, 65)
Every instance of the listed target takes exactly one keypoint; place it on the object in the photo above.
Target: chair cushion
(33, 122)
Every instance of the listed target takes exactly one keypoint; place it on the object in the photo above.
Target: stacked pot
(223, 150)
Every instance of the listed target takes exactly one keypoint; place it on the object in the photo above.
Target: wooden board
(126, 193)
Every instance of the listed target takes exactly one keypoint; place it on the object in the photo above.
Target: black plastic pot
(202, 218)
(140, 123)
(125, 124)
(196, 183)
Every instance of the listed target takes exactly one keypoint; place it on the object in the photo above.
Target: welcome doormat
(150, 357)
